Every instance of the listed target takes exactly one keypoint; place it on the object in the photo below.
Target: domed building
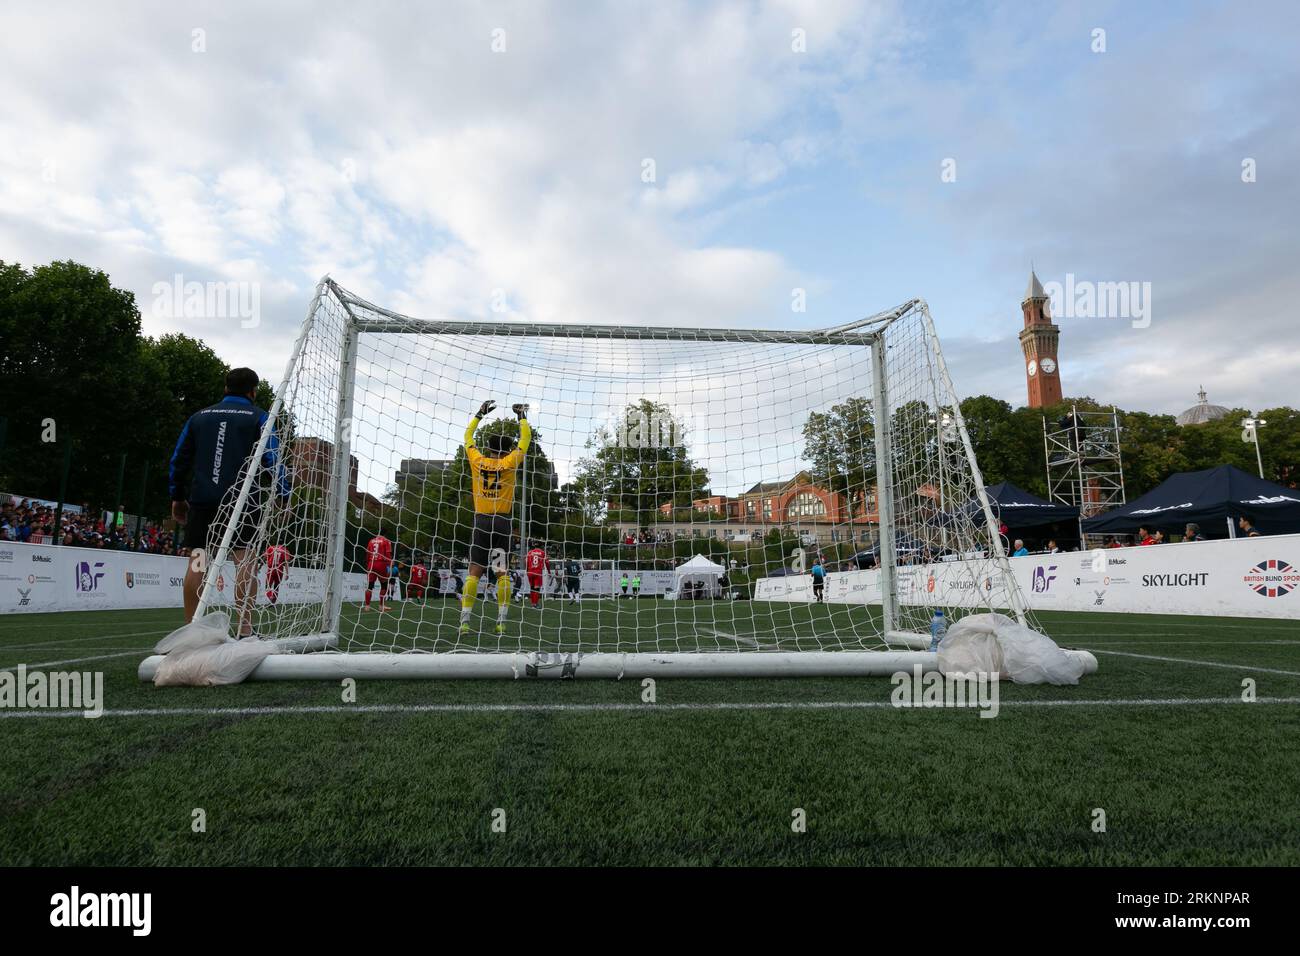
(1202, 411)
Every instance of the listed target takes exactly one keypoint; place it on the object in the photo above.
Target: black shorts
(200, 531)
(573, 584)
(490, 532)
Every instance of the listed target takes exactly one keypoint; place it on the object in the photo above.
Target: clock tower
(1038, 340)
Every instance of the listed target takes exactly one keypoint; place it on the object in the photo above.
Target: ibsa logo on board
(1043, 578)
(1272, 578)
(89, 576)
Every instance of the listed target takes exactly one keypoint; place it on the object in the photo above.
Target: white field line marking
(1082, 633)
(300, 709)
(1192, 621)
(739, 639)
(105, 647)
(78, 641)
(83, 639)
(72, 660)
(1184, 660)
(1198, 643)
(20, 621)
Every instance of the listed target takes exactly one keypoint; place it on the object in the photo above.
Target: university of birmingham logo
(1043, 578)
(130, 579)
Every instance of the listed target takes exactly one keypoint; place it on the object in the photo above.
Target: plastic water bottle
(938, 628)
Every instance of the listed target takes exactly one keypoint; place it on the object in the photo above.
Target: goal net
(671, 500)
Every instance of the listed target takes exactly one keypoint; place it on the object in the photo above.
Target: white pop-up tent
(699, 570)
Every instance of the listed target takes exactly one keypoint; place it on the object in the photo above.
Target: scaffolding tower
(1084, 466)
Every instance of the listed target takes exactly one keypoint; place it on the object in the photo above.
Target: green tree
(642, 464)
(1008, 443)
(74, 369)
(71, 371)
(839, 444)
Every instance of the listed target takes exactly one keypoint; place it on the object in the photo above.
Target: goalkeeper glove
(520, 410)
(486, 408)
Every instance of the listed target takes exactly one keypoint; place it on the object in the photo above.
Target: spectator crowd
(31, 521)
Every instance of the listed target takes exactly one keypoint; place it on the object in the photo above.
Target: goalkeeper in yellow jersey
(492, 472)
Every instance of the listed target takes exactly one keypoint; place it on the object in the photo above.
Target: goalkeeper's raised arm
(492, 476)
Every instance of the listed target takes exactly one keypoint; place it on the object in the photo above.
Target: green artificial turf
(287, 773)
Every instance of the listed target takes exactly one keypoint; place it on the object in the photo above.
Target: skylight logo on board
(1272, 578)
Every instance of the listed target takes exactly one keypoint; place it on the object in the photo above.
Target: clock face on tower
(1048, 366)
(1032, 368)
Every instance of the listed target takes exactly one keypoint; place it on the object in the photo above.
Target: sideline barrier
(1245, 577)
(42, 577)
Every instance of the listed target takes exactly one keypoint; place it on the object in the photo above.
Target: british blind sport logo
(1272, 578)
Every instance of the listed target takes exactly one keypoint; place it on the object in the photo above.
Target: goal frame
(867, 333)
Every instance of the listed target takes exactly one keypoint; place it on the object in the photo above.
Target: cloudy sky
(448, 158)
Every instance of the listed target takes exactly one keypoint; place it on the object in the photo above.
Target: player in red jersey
(419, 581)
(535, 565)
(379, 561)
(277, 562)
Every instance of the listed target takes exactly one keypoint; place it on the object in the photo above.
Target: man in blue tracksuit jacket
(211, 453)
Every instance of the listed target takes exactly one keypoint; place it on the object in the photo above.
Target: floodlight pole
(1250, 432)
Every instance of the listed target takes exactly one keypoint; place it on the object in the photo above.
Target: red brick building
(797, 504)
(310, 462)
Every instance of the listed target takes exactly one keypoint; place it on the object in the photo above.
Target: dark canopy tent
(1017, 508)
(1208, 498)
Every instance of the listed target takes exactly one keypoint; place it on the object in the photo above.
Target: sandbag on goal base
(203, 654)
(996, 644)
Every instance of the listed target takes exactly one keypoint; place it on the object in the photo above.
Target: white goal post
(702, 460)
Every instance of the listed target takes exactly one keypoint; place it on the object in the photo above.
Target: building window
(807, 505)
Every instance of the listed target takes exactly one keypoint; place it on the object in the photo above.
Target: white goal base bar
(572, 664)
(302, 645)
